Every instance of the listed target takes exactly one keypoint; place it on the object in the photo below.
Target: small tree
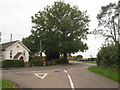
(108, 22)
(79, 56)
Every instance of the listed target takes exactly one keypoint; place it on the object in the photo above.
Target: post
(0, 48)
(118, 42)
(0, 36)
(40, 50)
(119, 21)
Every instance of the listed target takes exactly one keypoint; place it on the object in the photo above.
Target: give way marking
(41, 75)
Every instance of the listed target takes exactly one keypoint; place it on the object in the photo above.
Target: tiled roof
(17, 55)
(6, 45)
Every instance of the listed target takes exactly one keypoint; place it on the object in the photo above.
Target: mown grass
(5, 84)
(107, 72)
(88, 61)
(84, 61)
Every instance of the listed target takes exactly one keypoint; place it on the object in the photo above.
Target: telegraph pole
(40, 50)
(0, 55)
(118, 42)
(0, 36)
(119, 21)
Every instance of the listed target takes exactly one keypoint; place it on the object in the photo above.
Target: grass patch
(84, 61)
(5, 84)
(88, 61)
(107, 72)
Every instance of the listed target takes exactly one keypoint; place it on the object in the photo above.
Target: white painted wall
(15, 50)
(3, 55)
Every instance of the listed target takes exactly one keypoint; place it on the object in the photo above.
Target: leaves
(108, 22)
(60, 27)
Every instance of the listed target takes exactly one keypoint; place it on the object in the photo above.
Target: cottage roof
(8, 44)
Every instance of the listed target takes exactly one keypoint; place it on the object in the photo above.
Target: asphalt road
(72, 76)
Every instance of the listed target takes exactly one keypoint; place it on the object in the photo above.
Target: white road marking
(41, 75)
(70, 79)
(65, 71)
(71, 82)
(55, 70)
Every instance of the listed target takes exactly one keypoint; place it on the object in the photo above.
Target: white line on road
(65, 71)
(56, 70)
(71, 82)
(41, 75)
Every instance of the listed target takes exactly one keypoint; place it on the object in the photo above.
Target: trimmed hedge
(35, 63)
(12, 63)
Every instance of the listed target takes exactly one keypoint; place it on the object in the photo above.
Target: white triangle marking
(41, 75)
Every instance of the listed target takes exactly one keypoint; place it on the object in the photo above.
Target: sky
(15, 19)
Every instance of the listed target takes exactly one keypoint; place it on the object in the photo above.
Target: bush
(35, 63)
(12, 63)
(108, 56)
(58, 61)
(79, 56)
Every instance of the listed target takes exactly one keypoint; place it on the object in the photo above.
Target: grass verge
(88, 61)
(6, 84)
(84, 61)
(107, 72)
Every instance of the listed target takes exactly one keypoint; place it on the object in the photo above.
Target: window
(10, 54)
(24, 53)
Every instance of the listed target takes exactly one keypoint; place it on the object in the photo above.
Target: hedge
(35, 63)
(108, 56)
(12, 63)
(58, 61)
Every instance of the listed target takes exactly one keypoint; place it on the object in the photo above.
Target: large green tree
(108, 22)
(61, 29)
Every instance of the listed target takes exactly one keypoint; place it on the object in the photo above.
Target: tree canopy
(108, 22)
(61, 29)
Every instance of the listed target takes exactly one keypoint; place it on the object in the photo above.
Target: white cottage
(15, 50)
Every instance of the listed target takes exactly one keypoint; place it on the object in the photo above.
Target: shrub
(58, 61)
(108, 56)
(79, 56)
(35, 63)
(12, 63)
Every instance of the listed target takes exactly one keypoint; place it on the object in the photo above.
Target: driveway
(72, 76)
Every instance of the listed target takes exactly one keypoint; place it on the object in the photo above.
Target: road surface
(72, 76)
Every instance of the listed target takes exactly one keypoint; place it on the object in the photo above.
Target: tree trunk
(65, 56)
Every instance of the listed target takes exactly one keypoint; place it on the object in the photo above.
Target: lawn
(5, 84)
(107, 72)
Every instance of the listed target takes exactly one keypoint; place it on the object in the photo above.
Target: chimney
(11, 38)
